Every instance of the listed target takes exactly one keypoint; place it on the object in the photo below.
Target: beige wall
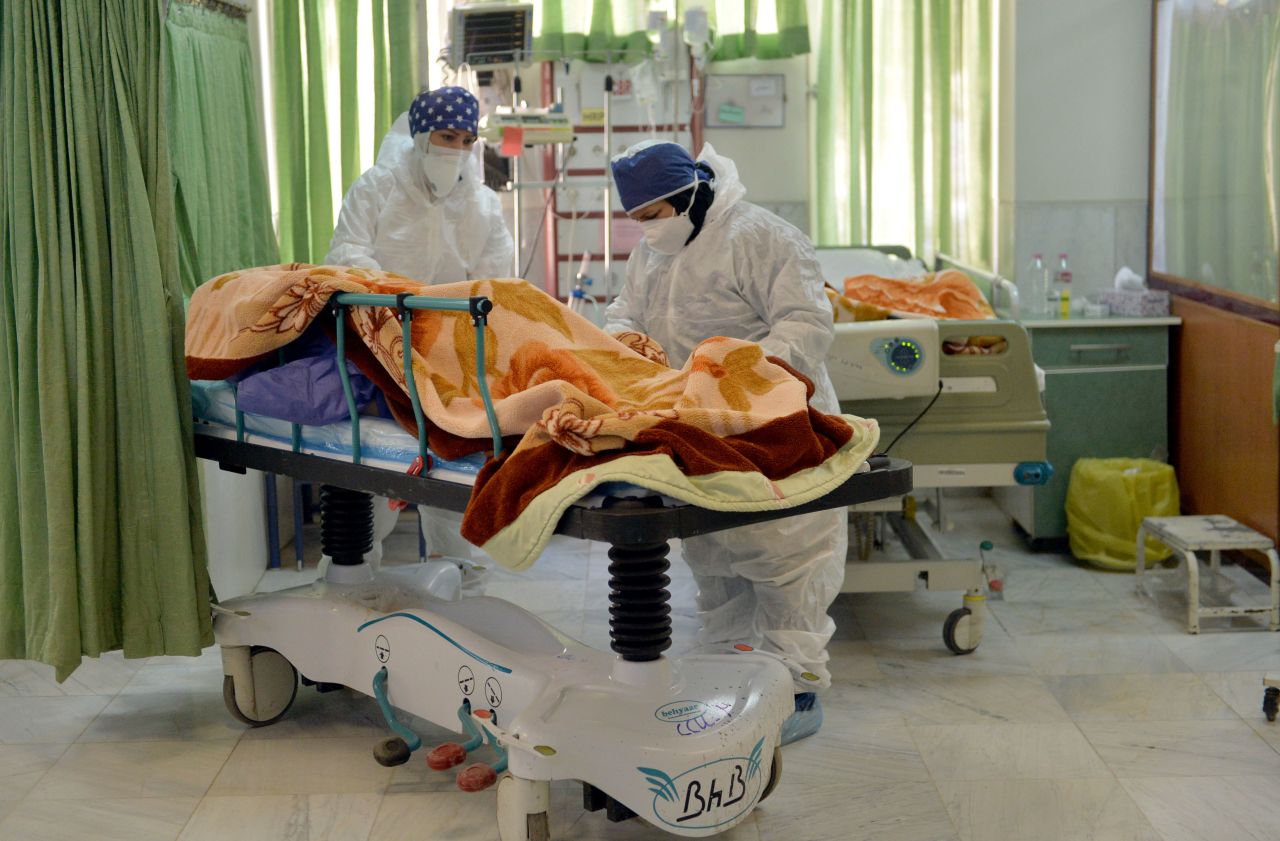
(1074, 88)
(1081, 94)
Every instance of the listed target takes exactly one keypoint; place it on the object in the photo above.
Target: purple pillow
(306, 391)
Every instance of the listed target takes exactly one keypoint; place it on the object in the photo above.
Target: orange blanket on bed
(947, 294)
(568, 397)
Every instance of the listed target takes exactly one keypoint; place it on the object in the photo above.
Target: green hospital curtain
(101, 543)
(617, 30)
(904, 126)
(319, 45)
(591, 30)
(759, 29)
(220, 175)
(1217, 214)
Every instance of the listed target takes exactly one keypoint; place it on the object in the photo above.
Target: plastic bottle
(1035, 287)
(1061, 291)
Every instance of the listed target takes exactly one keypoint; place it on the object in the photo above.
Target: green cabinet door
(1097, 413)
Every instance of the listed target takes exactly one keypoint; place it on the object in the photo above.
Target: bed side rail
(995, 285)
(405, 304)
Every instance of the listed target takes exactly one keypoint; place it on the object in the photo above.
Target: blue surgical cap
(451, 107)
(652, 170)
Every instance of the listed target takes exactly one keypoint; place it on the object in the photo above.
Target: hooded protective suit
(392, 220)
(749, 275)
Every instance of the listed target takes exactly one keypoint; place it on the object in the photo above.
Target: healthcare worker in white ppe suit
(713, 264)
(422, 211)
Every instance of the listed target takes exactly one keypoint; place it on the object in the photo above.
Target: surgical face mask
(668, 235)
(443, 167)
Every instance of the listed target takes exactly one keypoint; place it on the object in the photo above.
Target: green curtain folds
(617, 30)
(101, 543)
(592, 30)
(1217, 196)
(223, 204)
(305, 65)
(743, 39)
(903, 142)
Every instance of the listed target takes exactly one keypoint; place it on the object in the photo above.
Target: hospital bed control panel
(890, 359)
(903, 356)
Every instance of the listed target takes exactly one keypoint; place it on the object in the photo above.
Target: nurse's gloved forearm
(614, 326)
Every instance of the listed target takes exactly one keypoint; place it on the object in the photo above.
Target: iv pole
(516, 203)
(608, 187)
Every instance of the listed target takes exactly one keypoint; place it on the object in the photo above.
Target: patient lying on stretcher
(947, 295)
(731, 430)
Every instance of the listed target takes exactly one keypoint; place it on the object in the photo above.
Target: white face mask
(668, 235)
(443, 168)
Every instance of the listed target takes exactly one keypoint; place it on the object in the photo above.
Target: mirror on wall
(1215, 145)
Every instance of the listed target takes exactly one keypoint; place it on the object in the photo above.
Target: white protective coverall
(391, 220)
(749, 275)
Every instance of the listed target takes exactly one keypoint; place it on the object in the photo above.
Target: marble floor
(1087, 714)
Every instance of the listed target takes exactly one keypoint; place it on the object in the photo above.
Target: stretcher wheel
(775, 774)
(956, 634)
(273, 686)
(522, 809)
(1271, 702)
(539, 827)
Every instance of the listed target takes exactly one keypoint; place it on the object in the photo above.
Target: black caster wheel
(775, 774)
(956, 634)
(522, 810)
(391, 752)
(1271, 702)
(539, 827)
(275, 685)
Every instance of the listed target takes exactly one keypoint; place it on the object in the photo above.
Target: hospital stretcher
(689, 744)
(966, 421)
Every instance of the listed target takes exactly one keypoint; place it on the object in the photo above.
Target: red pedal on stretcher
(415, 469)
(446, 756)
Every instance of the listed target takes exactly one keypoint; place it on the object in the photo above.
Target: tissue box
(1149, 303)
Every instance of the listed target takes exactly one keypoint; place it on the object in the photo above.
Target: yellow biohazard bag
(1106, 501)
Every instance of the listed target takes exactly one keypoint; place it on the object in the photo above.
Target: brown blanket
(569, 398)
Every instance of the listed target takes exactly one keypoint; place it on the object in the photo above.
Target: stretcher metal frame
(635, 529)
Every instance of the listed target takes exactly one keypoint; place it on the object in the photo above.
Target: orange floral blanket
(947, 294)
(731, 430)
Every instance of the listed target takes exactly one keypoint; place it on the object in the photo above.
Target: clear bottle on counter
(1060, 292)
(1034, 287)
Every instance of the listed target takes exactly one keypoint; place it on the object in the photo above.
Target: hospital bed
(965, 420)
(690, 744)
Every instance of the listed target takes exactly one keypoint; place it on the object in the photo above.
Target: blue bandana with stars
(443, 108)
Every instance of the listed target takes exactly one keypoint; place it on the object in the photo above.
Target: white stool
(1211, 533)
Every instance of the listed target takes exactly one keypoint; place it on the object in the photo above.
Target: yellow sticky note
(593, 116)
